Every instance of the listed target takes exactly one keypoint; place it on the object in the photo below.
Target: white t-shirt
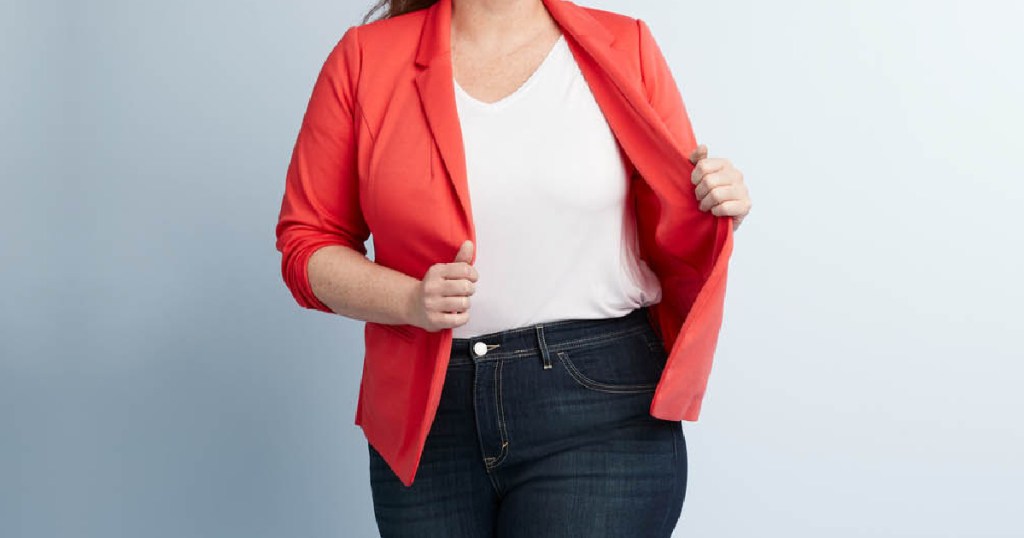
(555, 237)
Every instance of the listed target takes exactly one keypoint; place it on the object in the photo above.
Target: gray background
(158, 380)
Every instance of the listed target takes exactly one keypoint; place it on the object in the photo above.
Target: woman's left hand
(720, 186)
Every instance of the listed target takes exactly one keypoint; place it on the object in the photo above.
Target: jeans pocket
(624, 364)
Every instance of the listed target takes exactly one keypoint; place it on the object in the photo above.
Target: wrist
(410, 297)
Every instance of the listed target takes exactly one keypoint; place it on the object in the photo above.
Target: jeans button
(480, 349)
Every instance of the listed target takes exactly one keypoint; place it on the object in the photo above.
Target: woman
(552, 406)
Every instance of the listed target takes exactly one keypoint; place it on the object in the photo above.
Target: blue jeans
(546, 433)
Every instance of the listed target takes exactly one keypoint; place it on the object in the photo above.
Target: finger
(707, 166)
(457, 287)
(710, 181)
(700, 152)
(458, 270)
(465, 253)
(716, 196)
(710, 164)
(728, 208)
(724, 190)
(452, 319)
(451, 304)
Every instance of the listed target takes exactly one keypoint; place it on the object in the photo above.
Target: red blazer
(380, 150)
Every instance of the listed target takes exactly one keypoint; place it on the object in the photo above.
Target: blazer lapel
(622, 97)
(437, 96)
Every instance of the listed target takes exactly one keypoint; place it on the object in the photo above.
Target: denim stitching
(487, 459)
(586, 382)
(545, 353)
(586, 342)
(495, 461)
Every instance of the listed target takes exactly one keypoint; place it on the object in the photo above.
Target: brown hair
(394, 8)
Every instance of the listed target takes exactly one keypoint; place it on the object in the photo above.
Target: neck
(488, 22)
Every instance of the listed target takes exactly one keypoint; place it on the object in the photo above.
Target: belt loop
(543, 346)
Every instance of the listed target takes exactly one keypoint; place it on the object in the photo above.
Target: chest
(546, 145)
(490, 75)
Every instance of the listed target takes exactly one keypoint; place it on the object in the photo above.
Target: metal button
(480, 349)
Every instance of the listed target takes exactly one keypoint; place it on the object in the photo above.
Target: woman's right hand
(441, 299)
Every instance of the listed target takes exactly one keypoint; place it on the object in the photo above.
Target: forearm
(354, 286)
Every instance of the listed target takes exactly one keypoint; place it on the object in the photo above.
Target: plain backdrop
(157, 379)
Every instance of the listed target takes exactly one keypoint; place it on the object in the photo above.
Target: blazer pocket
(408, 197)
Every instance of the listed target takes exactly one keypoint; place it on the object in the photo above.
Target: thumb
(701, 152)
(465, 253)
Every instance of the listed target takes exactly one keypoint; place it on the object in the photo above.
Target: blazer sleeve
(320, 205)
(662, 91)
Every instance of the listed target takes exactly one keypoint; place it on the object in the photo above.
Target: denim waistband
(548, 337)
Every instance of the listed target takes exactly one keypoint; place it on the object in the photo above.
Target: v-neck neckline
(515, 95)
